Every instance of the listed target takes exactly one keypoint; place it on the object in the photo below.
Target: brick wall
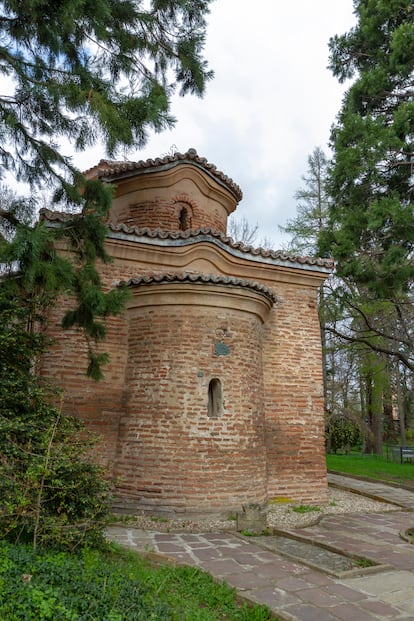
(172, 214)
(151, 410)
(294, 404)
(98, 404)
(172, 454)
(170, 210)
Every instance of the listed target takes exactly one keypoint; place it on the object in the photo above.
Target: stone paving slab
(294, 591)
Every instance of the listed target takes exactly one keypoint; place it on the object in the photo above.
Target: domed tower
(175, 193)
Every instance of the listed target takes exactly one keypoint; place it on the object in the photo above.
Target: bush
(342, 432)
(52, 494)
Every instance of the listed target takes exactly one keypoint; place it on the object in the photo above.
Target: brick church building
(213, 396)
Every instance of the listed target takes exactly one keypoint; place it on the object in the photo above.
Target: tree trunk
(377, 406)
(400, 405)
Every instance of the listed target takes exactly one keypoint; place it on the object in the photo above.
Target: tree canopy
(312, 206)
(88, 71)
(82, 73)
(371, 230)
(370, 224)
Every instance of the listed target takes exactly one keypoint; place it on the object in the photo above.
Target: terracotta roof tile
(110, 168)
(56, 216)
(194, 277)
(280, 255)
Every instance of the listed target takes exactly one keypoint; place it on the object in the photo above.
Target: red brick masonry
(213, 397)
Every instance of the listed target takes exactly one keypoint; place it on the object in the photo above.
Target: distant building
(214, 395)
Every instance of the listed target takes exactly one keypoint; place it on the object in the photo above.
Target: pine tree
(82, 72)
(371, 217)
(312, 207)
(85, 71)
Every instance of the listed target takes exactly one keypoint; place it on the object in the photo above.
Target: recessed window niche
(215, 398)
(185, 216)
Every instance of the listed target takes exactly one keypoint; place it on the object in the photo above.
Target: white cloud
(271, 103)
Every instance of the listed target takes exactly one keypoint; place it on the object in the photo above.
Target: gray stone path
(294, 591)
(398, 495)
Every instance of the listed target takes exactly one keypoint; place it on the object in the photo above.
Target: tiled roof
(56, 216)
(202, 234)
(109, 169)
(280, 255)
(149, 279)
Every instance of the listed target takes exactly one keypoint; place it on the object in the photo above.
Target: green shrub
(51, 493)
(342, 432)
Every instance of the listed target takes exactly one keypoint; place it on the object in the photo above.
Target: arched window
(184, 220)
(215, 398)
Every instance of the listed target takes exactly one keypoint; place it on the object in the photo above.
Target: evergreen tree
(371, 217)
(83, 72)
(312, 207)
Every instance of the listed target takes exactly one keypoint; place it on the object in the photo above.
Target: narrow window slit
(184, 220)
(215, 398)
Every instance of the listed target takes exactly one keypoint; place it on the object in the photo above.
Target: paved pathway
(292, 590)
(398, 495)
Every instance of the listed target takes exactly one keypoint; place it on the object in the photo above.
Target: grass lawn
(111, 585)
(372, 466)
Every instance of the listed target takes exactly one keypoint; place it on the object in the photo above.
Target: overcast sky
(272, 101)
